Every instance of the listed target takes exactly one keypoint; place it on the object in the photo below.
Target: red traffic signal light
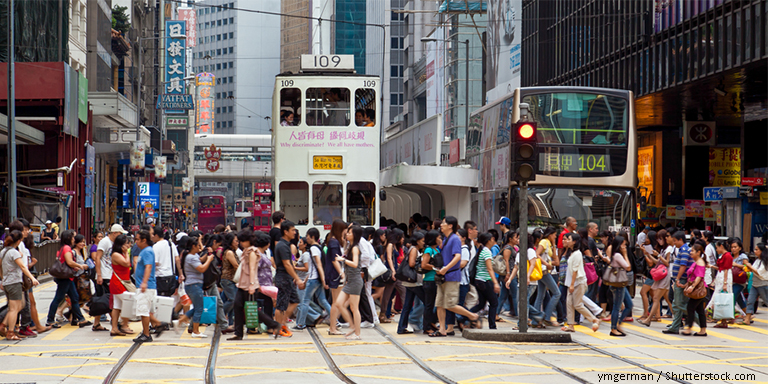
(526, 131)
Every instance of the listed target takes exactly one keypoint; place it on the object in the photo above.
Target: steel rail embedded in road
(210, 364)
(413, 357)
(112, 375)
(327, 357)
(617, 357)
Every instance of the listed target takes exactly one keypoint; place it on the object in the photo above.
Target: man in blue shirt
(448, 292)
(147, 291)
(679, 268)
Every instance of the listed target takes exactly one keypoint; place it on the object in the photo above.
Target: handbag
(699, 291)
(615, 277)
(739, 276)
(406, 273)
(60, 270)
(659, 272)
(723, 306)
(498, 265)
(537, 274)
(252, 313)
(99, 305)
(209, 310)
(128, 285)
(377, 268)
(589, 270)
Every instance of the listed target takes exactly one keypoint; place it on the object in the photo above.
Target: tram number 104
(559, 162)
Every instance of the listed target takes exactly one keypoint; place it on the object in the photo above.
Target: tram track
(344, 378)
(209, 375)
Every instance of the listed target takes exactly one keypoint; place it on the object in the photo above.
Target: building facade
(244, 65)
(693, 67)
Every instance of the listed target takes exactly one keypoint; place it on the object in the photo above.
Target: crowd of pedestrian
(437, 275)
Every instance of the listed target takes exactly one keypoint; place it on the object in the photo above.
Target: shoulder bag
(659, 272)
(739, 276)
(699, 290)
(167, 285)
(61, 270)
(537, 273)
(498, 264)
(589, 270)
(615, 276)
(377, 268)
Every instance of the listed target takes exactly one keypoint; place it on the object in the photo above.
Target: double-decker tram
(244, 213)
(262, 207)
(326, 143)
(212, 211)
(587, 161)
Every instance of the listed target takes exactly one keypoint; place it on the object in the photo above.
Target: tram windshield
(328, 107)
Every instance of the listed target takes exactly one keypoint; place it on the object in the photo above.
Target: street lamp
(466, 75)
(141, 54)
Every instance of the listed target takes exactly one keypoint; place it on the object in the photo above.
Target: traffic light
(525, 152)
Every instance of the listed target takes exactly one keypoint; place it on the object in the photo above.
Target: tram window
(361, 202)
(290, 102)
(365, 107)
(326, 202)
(294, 196)
(328, 107)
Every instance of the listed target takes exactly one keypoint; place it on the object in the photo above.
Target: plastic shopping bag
(251, 313)
(723, 306)
(209, 310)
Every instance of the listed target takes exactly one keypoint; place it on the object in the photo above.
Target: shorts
(648, 281)
(447, 294)
(14, 291)
(286, 292)
(145, 302)
(117, 301)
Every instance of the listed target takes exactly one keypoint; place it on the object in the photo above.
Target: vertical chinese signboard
(175, 59)
(138, 151)
(204, 111)
(189, 15)
(161, 172)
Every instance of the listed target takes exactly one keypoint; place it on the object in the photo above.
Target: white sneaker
(367, 324)
(199, 336)
(61, 319)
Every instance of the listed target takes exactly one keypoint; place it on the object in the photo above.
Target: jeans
(314, 289)
(592, 291)
(221, 317)
(547, 283)
(305, 297)
(229, 288)
(680, 305)
(620, 294)
(562, 307)
(65, 287)
(534, 314)
(463, 290)
(417, 314)
(503, 295)
(512, 297)
(485, 293)
(195, 292)
(752, 298)
(430, 292)
(410, 294)
(737, 296)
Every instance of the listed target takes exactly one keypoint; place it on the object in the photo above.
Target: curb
(44, 278)
(515, 336)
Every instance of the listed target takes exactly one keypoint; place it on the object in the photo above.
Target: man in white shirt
(367, 256)
(103, 261)
(165, 264)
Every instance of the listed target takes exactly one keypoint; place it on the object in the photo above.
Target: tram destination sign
(327, 63)
(566, 162)
(171, 101)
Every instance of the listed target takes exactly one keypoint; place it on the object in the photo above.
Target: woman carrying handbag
(696, 290)
(618, 282)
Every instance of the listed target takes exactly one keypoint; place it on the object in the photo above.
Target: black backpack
(212, 275)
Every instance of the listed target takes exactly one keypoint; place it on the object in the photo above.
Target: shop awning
(25, 134)
(428, 175)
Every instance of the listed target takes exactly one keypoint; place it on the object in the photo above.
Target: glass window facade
(350, 38)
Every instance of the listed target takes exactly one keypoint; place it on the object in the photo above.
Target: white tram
(325, 134)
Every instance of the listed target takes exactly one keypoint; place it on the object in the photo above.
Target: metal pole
(522, 270)
(11, 118)
(466, 91)
(138, 99)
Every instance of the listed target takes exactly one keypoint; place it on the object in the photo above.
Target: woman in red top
(723, 279)
(66, 287)
(121, 271)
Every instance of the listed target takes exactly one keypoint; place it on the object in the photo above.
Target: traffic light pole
(522, 270)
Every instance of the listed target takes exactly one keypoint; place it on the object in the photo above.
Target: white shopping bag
(723, 306)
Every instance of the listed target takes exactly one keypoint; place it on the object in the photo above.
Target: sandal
(127, 331)
(10, 335)
(385, 320)
(335, 333)
(437, 334)
(596, 325)
(451, 333)
(567, 329)
(500, 320)
(45, 329)
(118, 333)
(84, 324)
(352, 337)
(723, 325)
(98, 328)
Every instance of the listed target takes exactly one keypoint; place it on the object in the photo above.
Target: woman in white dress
(723, 280)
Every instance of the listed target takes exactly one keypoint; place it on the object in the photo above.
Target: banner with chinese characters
(138, 151)
(725, 167)
(175, 59)
(190, 16)
(160, 168)
(204, 111)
